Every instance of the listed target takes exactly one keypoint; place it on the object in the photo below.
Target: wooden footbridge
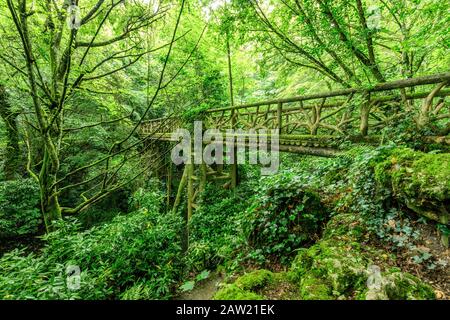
(317, 124)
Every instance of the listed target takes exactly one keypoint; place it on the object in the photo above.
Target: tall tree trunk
(12, 153)
(49, 197)
(234, 167)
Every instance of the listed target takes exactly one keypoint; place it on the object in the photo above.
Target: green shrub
(216, 227)
(143, 247)
(37, 277)
(284, 216)
(148, 199)
(19, 208)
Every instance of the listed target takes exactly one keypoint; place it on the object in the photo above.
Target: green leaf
(187, 286)
(203, 275)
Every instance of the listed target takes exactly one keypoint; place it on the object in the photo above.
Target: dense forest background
(79, 190)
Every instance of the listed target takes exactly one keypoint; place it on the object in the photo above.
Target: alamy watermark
(73, 277)
(230, 147)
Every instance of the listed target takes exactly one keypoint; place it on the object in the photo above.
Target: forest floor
(33, 244)
(439, 276)
(205, 290)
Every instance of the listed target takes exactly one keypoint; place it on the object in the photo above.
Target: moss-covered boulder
(404, 286)
(340, 266)
(246, 286)
(260, 284)
(255, 280)
(233, 292)
(419, 180)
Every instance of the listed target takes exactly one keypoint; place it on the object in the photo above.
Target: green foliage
(189, 285)
(19, 208)
(194, 114)
(216, 227)
(148, 199)
(37, 277)
(133, 250)
(285, 215)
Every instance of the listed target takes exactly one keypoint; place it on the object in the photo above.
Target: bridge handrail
(398, 84)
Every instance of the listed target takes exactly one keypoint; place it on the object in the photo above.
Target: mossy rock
(255, 280)
(312, 288)
(245, 287)
(233, 292)
(404, 286)
(420, 180)
(260, 284)
(338, 267)
(346, 226)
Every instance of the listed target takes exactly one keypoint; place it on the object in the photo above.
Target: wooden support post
(279, 117)
(234, 166)
(169, 184)
(190, 190)
(203, 176)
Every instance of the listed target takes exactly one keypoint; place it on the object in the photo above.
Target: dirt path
(205, 290)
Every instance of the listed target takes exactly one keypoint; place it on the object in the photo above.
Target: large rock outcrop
(339, 266)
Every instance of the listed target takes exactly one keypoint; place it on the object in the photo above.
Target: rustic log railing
(321, 117)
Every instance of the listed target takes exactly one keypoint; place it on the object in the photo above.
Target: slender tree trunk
(12, 152)
(234, 167)
(181, 187)
(49, 197)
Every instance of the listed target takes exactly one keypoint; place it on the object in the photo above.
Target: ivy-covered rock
(339, 266)
(419, 180)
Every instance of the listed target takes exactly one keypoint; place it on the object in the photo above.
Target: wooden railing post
(234, 166)
(279, 117)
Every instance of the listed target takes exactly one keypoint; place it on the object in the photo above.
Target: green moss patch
(420, 180)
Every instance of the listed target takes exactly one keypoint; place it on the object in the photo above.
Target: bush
(140, 248)
(285, 215)
(36, 277)
(19, 208)
(216, 227)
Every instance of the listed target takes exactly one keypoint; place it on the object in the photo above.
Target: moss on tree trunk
(12, 154)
